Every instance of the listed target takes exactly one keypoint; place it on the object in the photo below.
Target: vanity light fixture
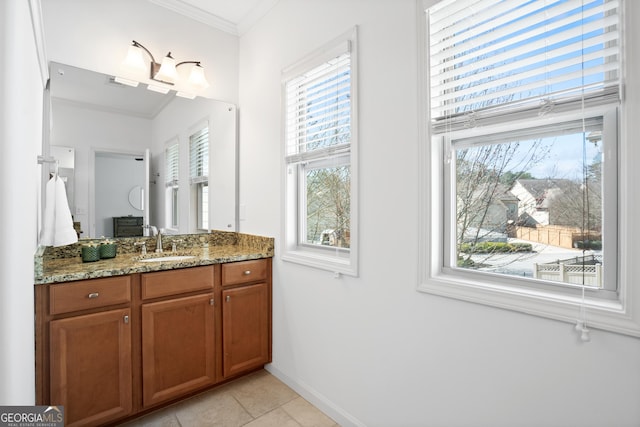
(165, 72)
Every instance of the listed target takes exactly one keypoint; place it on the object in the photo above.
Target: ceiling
(233, 16)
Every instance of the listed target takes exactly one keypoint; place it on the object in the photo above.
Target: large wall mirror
(120, 134)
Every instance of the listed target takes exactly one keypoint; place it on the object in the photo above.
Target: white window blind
(199, 156)
(491, 53)
(318, 117)
(171, 157)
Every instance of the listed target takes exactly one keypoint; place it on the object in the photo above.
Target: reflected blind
(199, 156)
(318, 104)
(490, 53)
(171, 158)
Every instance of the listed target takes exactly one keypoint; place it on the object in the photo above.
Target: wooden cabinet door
(178, 350)
(245, 328)
(90, 367)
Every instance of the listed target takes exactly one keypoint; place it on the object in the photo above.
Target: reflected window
(172, 162)
(199, 167)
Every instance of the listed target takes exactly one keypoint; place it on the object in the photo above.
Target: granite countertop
(55, 265)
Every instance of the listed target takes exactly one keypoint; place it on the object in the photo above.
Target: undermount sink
(168, 258)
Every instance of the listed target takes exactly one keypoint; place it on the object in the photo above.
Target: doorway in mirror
(116, 176)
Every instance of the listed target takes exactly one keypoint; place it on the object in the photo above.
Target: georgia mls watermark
(31, 416)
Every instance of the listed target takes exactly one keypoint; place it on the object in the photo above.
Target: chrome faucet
(159, 242)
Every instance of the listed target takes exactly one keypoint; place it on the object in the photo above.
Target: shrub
(588, 244)
(466, 263)
(495, 247)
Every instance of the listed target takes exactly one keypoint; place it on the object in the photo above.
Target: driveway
(521, 264)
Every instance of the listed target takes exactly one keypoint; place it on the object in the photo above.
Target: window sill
(610, 315)
(321, 261)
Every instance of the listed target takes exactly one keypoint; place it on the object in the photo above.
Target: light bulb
(167, 72)
(134, 60)
(197, 77)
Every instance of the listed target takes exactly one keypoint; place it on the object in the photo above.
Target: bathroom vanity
(121, 337)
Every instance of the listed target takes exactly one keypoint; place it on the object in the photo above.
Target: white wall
(372, 350)
(21, 88)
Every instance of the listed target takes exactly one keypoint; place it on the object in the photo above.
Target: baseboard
(318, 400)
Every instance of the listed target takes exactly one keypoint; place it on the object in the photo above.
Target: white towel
(57, 229)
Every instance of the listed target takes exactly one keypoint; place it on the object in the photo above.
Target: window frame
(322, 163)
(295, 249)
(610, 133)
(617, 313)
(202, 204)
(172, 192)
(196, 183)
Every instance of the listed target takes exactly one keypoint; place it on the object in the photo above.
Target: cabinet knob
(93, 295)
(211, 301)
(247, 272)
(228, 298)
(126, 320)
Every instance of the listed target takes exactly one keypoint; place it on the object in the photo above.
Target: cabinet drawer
(174, 282)
(244, 271)
(127, 220)
(128, 231)
(88, 294)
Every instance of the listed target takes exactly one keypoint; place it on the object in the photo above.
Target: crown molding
(249, 20)
(199, 15)
(254, 15)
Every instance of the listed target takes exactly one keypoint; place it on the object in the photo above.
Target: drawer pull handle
(228, 298)
(247, 272)
(93, 295)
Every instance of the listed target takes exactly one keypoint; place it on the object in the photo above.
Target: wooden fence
(554, 235)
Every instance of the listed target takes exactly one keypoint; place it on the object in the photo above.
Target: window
(530, 202)
(199, 166)
(320, 131)
(520, 158)
(171, 158)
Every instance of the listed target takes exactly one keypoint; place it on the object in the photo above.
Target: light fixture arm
(188, 62)
(136, 44)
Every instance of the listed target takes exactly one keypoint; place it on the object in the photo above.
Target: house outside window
(172, 157)
(320, 130)
(520, 157)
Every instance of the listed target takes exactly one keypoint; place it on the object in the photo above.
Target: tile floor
(257, 400)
